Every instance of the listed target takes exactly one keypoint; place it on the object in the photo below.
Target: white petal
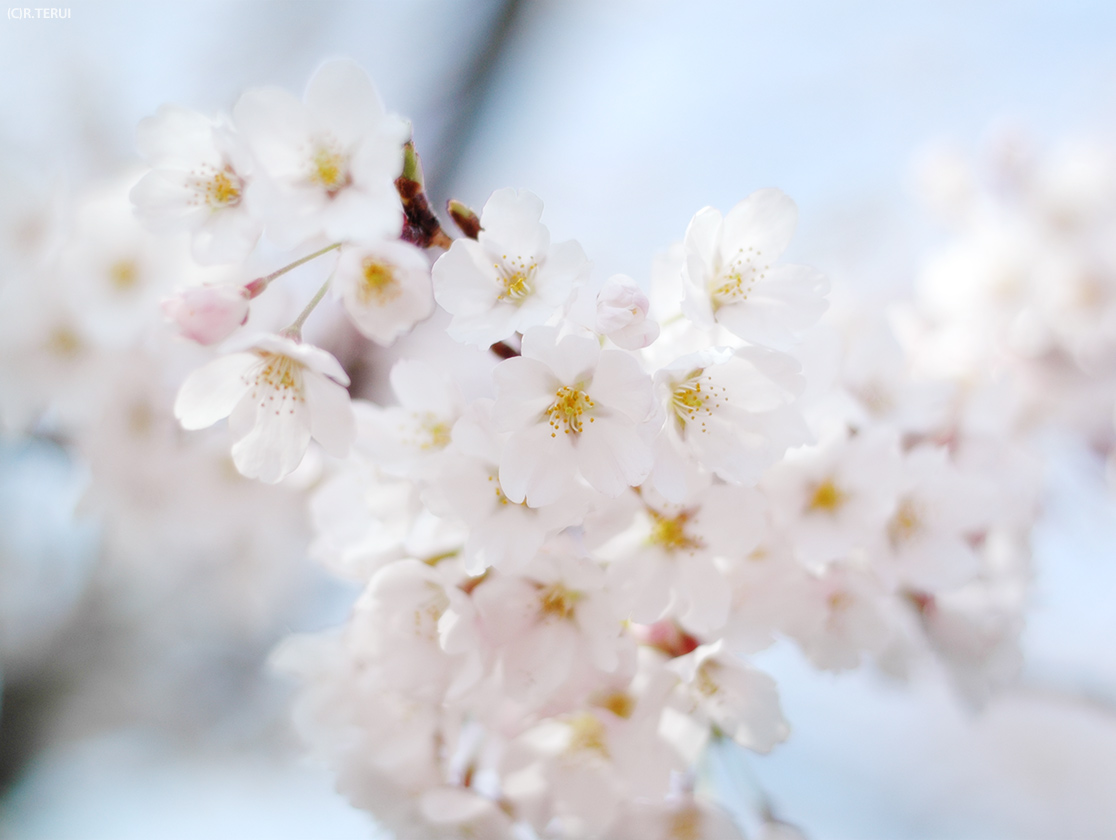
(341, 96)
(274, 446)
(622, 385)
(765, 220)
(213, 390)
(332, 422)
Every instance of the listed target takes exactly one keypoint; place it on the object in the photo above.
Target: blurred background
(626, 117)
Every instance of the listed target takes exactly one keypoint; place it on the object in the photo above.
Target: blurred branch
(470, 96)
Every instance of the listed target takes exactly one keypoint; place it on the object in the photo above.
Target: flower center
(223, 189)
(587, 734)
(278, 376)
(705, 681)
(566, 410)
(426, 615)
(620, 703)
(64, 343)
(503, 500)
(905, 524)
(694, 401)
(670, 532)
(827, 497)
(558, 601)
(735, 281)
(437, 432)
(123, 275)
(515, 277)
(329, 169)
(685, 824)
(377, 283)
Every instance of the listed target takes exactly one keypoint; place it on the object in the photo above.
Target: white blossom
(326, 165)
(200, 175)
(732, 278)
(277, 394)
(385, 288)
(511, 278)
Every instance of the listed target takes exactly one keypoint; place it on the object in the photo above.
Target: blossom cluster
(1024, 291)
(576, 507)
(589, 500)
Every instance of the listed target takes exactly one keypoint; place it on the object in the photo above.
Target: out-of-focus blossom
(207, 314)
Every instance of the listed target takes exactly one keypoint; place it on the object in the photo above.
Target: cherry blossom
(572, 410)
(326, 165)
(207, 314)
(277, 394)
(200, 176)
(511, 277)
(385, 288)
(731, 275)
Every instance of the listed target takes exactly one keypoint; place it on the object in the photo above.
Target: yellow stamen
(558, 601)
(704, 681)
(567, 409)
(223, 189)
(735, 281)
(377, 282)
(906, 522)
(620, 703)
(64, 342)
(670, 532)
(123, 275)
(827, 497)
(685, 824)
(587, 734)
(515, 276)
(329, 169)
(695, 398)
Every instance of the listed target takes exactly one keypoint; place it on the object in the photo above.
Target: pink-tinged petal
(226, 236)
(538, 660)
(621, 384)
(647, 583)
(461, 283)
(566, 266)
(708, 592)
(276, 443)
(315, 358)
(420, 387)
(701, 239)
(789, 300)
(274, 124)
(341, 98)
(511, 219)
(612, 456)
(525, 388)
(572, 358)
(674, 475)
(176, 138)
(213, 390)
(163, 196)
(765, 221)
(536, 466)
(332, 423)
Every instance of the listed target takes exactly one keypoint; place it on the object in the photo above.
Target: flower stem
(294, 331)
(257, 286)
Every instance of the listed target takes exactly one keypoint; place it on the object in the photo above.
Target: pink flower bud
(207, 314)
(622, 314)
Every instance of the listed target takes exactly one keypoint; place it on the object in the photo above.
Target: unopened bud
(207, 314)
(466, 219)
(412, 166)
(622, 314)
